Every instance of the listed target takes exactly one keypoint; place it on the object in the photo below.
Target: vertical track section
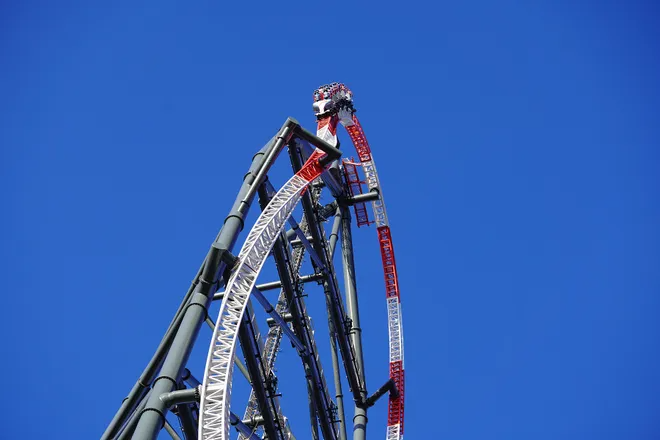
(392, 294)
(143, 413)
(334, 102)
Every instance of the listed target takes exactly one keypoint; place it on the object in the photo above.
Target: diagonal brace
(268, 307)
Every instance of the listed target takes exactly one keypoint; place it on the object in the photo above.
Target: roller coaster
(204, 407)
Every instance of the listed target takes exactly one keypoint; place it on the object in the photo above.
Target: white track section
(380, 213)
(347, 119)
(216, 389)
(327, 135)
(394, 325)
(393, 432)
(272, 345)
(378, 205)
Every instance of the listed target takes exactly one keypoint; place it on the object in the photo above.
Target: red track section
(355, 187)
(359, 140)
(389, 263)
(396, 404)
(395, 408)
(336, 101)
(312, 168)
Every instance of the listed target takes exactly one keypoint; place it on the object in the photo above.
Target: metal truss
(291, 298)
(216, 388)
(208, 414)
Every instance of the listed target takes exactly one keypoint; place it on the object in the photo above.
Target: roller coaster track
(161, 386)
(333, 104)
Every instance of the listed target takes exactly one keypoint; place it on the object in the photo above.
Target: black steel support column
(339, 395)
(129, 427)
(258, 378)
(296, 308)
(152, 417)
(334, 233)
(187, 420)
(143, 413)
(360, 417)
(331, 289)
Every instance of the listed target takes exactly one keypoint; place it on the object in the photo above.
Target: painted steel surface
(334, 103)
(214, 417)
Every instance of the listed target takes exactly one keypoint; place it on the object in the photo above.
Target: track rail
(333, 104)
(271, 346)
(214, 418)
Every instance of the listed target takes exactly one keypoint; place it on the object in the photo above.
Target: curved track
(333, 105)
(216, 388)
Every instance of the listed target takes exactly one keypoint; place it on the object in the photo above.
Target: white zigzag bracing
(394, 432)
(378, 205)
(272, 344)
(394, 325)
(216, 389)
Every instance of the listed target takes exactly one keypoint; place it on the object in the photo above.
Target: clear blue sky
(517, 143)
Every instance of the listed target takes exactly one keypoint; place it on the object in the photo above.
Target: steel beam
(152, 417)
(268, 307)
(242, 427)
(297, 242)
(294, 298)
(286, 317)
(190, 379)
(272, 285)
(325, 212)
(309, 360)
(187, 420)
(331, 290)
(350, 289)
(165, 369)
(334, 233)
(360, 198)
(389, 386)
(170, 430)
(258, 379)
(186, 395)
(308, 246)
(332, 153)
(278, 284)
(335, 186)
(129, 428)
(339, 395)
(312, 414)
(229, 234)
